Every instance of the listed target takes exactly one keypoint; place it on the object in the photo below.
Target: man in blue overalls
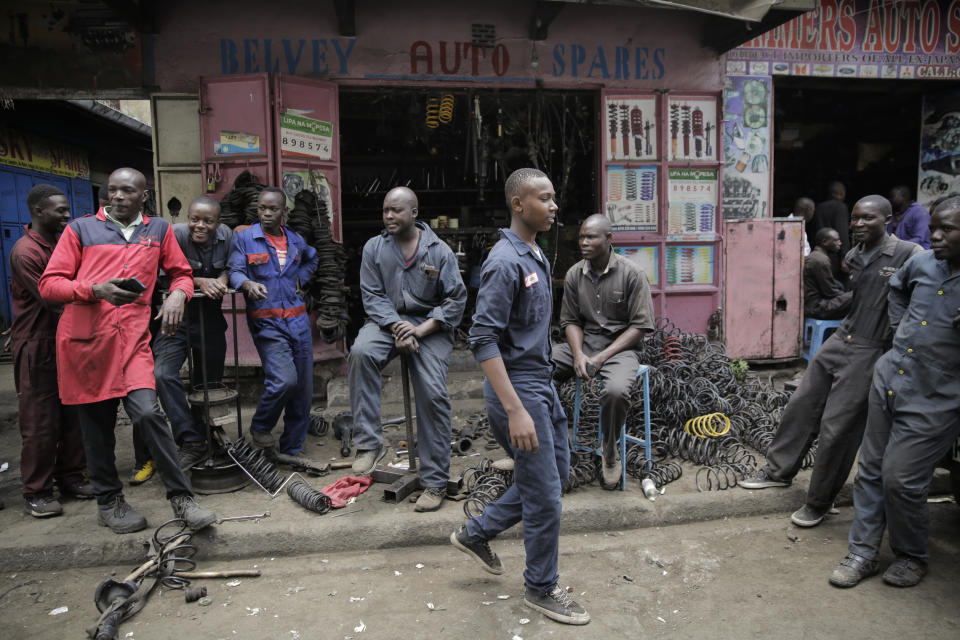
(914, 412)
(510, 338)
(414, 298)
(206, 244)
(269, 263)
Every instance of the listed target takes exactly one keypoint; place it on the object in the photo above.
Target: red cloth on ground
(346, 488)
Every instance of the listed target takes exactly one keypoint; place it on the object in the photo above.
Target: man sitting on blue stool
(824, 298)
(606, 310)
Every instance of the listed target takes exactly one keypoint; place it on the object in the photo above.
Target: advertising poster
(632, 198)
(646, 257)
(746, 146)
(859, 39)
(305, 137)
(939, 148)
(690, 264)
(631, 124)
(236, 142)
(693, 129)
(692, 200)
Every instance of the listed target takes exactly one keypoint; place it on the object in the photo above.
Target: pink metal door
(787, 288)
(236, 131)
(748, 322)
(307, 144)
(763, 305)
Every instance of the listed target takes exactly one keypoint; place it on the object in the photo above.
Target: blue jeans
(372, 350)
(534, 496)
(285, 346)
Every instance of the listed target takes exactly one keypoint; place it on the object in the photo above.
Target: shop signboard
(27, 151)
(305, 137)
(859, 39)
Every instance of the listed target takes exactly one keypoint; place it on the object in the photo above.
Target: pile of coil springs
(689, 378)
(484, 483)
(254, 461)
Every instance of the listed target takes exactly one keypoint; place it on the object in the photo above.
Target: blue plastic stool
(643, 371)
(815, 332)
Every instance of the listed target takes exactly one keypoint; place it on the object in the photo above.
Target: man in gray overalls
(414, 298)
(831, 401)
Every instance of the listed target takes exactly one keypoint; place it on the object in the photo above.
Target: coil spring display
(484, 484)
(308, 497)
(625, 128)
(177, 558)
(690, 216)
(255, 462)
(612, 120)
(697, 117)
(706, 216)
(690, 377)
(432, 113)
(674, 120)
(615, 186)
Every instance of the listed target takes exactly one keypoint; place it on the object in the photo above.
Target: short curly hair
(41, 192)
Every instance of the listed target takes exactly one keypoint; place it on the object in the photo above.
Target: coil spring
(687, 264)
(672, 349)
(689, 216)
(308, 497)
(631, 184)
(625, 128)
(710, 425)
(674, 120)
(706, 217)
(484, 484)
(432, 114)
(662, 472)
(177, 558)
(697, 117)
(255, 462)
(584, 469)
(648, 185)
(445, 112)
(612, 119)
(721, 477)
(615, 186)
(636, 121)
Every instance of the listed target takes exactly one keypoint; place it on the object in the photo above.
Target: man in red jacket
(104, 270)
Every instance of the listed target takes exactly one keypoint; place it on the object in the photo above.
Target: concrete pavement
(75, 540)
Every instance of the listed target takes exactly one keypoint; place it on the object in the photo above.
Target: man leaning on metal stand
(606, 310)
(206, 245)
(414, 297)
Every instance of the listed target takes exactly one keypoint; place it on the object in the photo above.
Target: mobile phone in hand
(133, 285)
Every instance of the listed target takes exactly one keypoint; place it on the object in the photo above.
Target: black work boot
(120, 516)
(187, 509)
(190, 454)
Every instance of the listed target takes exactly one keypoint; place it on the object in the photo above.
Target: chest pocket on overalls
(534, 300)
(259, 265)
(422, 285)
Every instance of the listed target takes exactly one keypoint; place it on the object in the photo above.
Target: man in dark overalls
(831, 401)
(510, 338)
(206, 245)
(914, 413)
